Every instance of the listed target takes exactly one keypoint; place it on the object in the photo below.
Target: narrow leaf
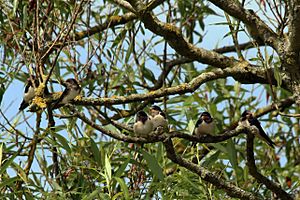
(95, 151)
(63, 141)
(153, 165)
(232, 153)
(123, 186)
(8, 163)
(107, 167)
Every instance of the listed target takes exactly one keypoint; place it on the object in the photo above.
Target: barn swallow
(205, 125)
(71, 91)
(158, 118)
(29, 92)
(249, 120)
(143, 125)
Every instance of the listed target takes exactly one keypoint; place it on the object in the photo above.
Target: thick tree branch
(291, 58)
(206, 175)
(294, 28)
(244, 73)
(176, 40)
(274, 187)
(257, 27)
(184, 60)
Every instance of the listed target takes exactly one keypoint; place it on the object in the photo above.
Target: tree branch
(255, 24)
(176, 40)
(112, 21)
(157, 138)
(232, 48)
(243, 72)
(274, 187)
(294, 28)
(206, 175)
(285, 103)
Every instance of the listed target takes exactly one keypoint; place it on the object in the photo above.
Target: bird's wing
(59, 100)
(262, 133)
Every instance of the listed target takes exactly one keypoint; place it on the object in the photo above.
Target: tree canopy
(186, 57)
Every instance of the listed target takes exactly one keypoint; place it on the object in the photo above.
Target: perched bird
(29, 92)
(158, 118)
(249, 120)
(205, 125)
(143, 126)
(71, 91)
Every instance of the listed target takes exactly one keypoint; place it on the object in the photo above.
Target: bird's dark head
(141, 116)
(206, 117)
(247, 115)
(155, 110)
(71, 83)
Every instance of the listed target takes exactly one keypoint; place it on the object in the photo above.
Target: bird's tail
(23, 105)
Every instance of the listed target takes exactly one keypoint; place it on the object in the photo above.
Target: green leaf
(191, 126)
(107, 167)
(94, 194)
(8, 182)
(129, 52)
(277, 75)
(1, 150)
(63, 141)
(24, 17)
(15, 7)
(232, 153)
(153, 165)
(8, 163)
(95, 151)
(21, 172)
(121, 169)
(211, 159)
(123, 186)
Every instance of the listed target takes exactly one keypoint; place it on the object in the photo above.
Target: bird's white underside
(159, 120)
(204, 128)
(141, 129)
(246, 123)
(29, 95)
(72, 94)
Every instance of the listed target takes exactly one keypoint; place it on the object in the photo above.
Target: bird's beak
(63, 83)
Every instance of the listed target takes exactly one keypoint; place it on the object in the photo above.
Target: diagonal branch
(255, 24)
(274, 187)
(206, 175)
(176, 40)
(244, 73)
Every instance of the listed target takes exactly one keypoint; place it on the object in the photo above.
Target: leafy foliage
(113, 54)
